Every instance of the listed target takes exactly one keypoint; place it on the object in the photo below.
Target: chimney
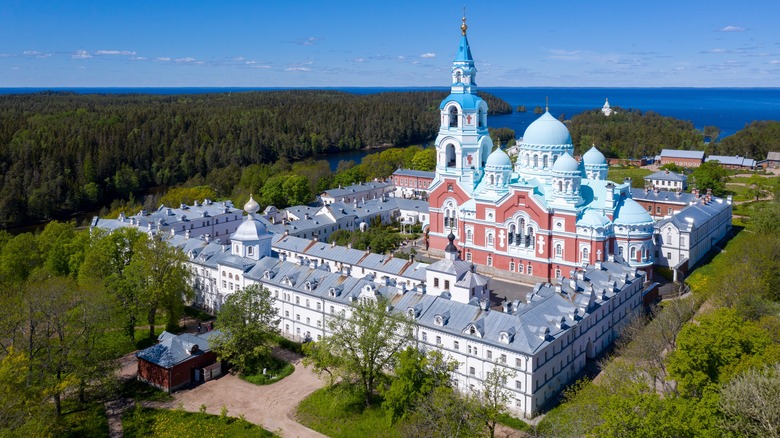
(207, 237)
(306, 215)
(573, 283)
(283, 256)
(300, 260)
(411, 257)
(313, 263)
(709, 193)
(484, 304)
(507, 307)
(187, 234)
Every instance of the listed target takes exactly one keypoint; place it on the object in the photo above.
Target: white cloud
(138, 58)
(162, 59)
(297, 69)
(401, 57)
(775, 61)
(716, 51)
(184, 60)
(81, 54)
(359, 60)
(36, 54)
(115, 52)
(310, 41)
(732, 29)
(428, 55)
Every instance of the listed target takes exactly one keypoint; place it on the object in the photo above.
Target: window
(530, 269)
(682, 241)
(446, 284)
(469, 235)
(658, 210)
(469, 349)
(435, 282)
(425, 337)
(558, 250)
(297, 300)
(319, 323)
(297, 316)
(633, 253)
(224, 284)
(518, 362)
(438, 340)
(502, 358)
(307, 303)
(490, 239)
(472, 371)
(669, 255)
(332, 310)
(455, 345)
(669, 210)
(468, 256)
(490, 260)
(308, 321)
(286, 313)
(511, 266)
(489, 354)
(318, 306)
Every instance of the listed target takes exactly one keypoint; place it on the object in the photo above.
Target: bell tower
(463, 144)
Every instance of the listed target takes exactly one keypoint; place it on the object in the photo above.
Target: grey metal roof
(732, 160)
(696, 214)
(173, 350)
(662, 196)
(414, 173)
(677, 153)
(773, 156)
(356, 189)
(665, 175)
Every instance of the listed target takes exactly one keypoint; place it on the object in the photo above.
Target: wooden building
(177, 361)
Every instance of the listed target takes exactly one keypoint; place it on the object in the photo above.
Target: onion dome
(451, 248)
(566, 164)
(498, 159)
(547, 130)
(594, 157)
(631, 213)
(251, 206)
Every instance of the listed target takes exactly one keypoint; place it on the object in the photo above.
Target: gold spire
(463, 26)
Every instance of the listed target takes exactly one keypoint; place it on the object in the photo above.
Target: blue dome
(592, 218)
(547, 130)
(467, 101)
(498, 158)
(631, 213)
(594, 157)
(566, 163)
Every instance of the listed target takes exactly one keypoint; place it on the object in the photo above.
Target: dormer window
(411, 313)
(250, 251)
(438, 320)
(503, 338)
(472, 330)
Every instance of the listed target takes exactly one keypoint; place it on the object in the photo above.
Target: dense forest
(754, 141)
(65, 152)
(632, 133)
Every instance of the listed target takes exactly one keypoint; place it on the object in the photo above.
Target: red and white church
(536, 220)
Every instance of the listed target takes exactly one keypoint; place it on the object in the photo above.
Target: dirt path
(272, 406)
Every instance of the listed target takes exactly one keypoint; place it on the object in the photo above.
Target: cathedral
(539, 218)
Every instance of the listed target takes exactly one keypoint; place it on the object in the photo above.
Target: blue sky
(283, 43)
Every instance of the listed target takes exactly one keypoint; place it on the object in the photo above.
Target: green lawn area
(637, 175)
(85, 421)
(274, 373)
(340, 413)
(161, 423)
(702, 275)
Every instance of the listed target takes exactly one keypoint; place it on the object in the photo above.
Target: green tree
(751, 403)
(417, 374)
(296, 190)
(718, 345)
(492, 399)
(248, 323)
(425, 160)
(159, 273)
(444, 413)
(710, 175)
(322, 361)
(758, 186)
(671, 167)
(367, 342)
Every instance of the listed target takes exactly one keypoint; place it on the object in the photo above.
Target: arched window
(511, 266)
(530, 269)
(527, 160)
(490, 260)
(620, 250)
(490, 239)
(458, 76)
(632, 253)
(558, 250)
(481, 118)
(544, 161)
(585, 255)
(453, 117)
(529, 239)
(451, 155)
(511, 233)
(492, 179)
(469, 235)
(520, 268)
(560, 186)
(468, 256)
(536, 161)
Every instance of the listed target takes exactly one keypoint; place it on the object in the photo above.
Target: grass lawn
(161, 423)
(637, 175)
(702, 275)
(340, 412)
(140, 391)
(85, 421)
(274, 373)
